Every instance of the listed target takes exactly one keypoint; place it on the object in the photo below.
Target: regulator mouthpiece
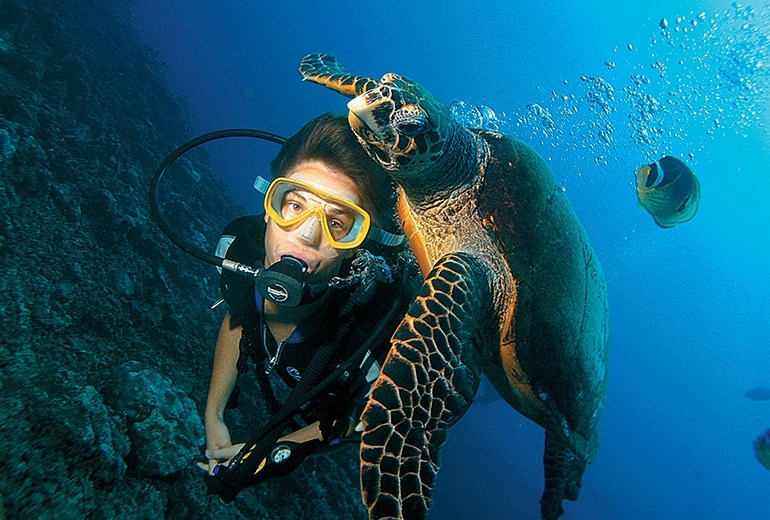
(282, 283)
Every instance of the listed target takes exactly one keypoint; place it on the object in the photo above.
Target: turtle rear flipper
(325, 70)
(563, 474)
(427, 383)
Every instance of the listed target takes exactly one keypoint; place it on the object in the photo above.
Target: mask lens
(291, 202)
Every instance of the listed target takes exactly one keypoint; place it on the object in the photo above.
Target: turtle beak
(359, 108)
(372, 110)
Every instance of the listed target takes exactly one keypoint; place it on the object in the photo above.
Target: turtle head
(400, 124)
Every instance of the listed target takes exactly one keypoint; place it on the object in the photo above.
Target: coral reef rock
(106, 336)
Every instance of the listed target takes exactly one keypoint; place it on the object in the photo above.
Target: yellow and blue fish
(668, 190)
(762, 449)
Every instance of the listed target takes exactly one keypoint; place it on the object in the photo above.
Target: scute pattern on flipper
(427, 383)
(325, 70)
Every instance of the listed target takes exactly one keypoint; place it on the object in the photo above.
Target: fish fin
(665, 223)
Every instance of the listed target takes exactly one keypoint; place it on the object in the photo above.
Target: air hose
(282, 282)
(166, 164)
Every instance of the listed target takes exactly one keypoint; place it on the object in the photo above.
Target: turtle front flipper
(325, 70)
(426, 385)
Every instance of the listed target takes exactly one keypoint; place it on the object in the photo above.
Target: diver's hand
(222, 455)
(219, 456)
(220, 447)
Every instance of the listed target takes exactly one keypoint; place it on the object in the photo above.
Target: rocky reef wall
(106, 336)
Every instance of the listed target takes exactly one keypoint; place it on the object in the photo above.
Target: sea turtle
(512, 289)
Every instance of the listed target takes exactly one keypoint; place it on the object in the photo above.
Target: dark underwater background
(105, 327)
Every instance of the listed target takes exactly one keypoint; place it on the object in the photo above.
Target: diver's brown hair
(329, 139)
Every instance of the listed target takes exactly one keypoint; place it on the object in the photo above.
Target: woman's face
(306, 240)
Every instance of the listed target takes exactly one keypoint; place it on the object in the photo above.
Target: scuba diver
(335, 281)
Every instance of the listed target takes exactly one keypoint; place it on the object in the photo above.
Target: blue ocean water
(598, 88)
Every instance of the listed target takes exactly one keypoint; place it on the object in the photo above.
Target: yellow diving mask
(290, 202)
(344, 223)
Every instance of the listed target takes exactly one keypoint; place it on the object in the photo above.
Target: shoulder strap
(242, 241)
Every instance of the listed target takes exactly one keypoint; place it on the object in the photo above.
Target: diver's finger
(208, 467)
(223, 454)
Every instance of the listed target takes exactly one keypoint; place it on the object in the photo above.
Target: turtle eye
(409, 121)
